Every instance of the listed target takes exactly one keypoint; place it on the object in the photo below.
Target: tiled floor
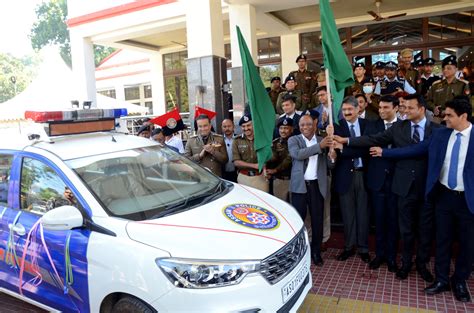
(351, 287)
(346, 287)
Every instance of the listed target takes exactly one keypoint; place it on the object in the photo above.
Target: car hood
(245, 223)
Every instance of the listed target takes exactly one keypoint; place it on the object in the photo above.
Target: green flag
(261, 108)
(335, 59)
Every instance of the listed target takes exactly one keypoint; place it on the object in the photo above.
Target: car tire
(131, 305)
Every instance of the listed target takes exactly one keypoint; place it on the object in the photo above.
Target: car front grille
(275, 267)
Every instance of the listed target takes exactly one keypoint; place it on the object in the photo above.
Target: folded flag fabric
(171, 122)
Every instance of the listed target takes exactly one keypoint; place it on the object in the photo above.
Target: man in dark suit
(308, 184)
(349, 184)
(415, 215)
(450, 185)
(379, 183)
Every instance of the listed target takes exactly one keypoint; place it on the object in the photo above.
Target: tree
(15, 75)
(51, 29)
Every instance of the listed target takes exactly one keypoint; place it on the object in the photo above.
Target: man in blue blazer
(450, 186)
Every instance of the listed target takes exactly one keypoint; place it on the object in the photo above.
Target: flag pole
(330, 112)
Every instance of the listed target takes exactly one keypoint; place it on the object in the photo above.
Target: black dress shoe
(375, 263)
(392, 266)
(424, 273)
(345, 255)
(317, 259)
(365, 257)
(460, 292)
(437, 287)
(403, 272)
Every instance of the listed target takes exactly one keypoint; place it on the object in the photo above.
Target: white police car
(94, 220)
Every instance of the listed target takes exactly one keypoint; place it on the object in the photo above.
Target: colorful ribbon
(68, 275)
(10, 253)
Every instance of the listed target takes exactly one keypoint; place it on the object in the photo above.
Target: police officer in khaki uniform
(275, 90)
(359, 77)
(406, 71)
(245, 157)
(305, 80)
(446, 89)
(206, 148)
(427, 78)
(279, 166)
(290, 86)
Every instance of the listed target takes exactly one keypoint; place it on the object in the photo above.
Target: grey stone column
(206, 76)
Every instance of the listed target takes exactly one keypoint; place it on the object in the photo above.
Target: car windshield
(146, 183)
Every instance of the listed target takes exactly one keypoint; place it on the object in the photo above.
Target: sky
(16, 19)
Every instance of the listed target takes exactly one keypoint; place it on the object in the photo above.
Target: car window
(141, 183)
(42, 189)
(5, 166)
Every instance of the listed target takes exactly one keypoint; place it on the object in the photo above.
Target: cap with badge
(379, 64)
(301, 57)
(289, 77)
(368, 80)
(450, 60)
(419, 63)
(285, 121)
(275, 78)
(359, 64)
(391, 65)
(406, 53)
(429, 61)
(245, 118)
(313, 113)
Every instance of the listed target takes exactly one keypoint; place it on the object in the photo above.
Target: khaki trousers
(327, 213)
(281, 188)
(257, 182)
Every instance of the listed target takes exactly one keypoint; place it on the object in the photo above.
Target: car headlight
(306, 236)
(198, 274)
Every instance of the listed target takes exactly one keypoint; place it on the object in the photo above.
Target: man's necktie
(353, 134)
(416, 134)
(453, 164)
(388, 125)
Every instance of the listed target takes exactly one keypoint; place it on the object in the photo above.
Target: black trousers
(230, 176)
(416, 219)
(453, 215)
(312, 199)
(384, 203)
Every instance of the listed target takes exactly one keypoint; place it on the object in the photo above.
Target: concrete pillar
(243, 16)
(83, 68)
(157, 84)
(290, 49)
(206, 65)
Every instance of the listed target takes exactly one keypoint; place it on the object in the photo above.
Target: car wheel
(131, 305)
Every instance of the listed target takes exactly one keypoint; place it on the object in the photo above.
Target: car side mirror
(65, 217)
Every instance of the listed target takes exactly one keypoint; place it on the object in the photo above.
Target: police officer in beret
(427, 78)
(279, 166)
(406, 70)
(275, 90)
(245, 157)
(446, 89)
(305, 80)
(392, 84)
(368, 88)
(379, 71)
(290, 86)
(359, 77)
(207, 148)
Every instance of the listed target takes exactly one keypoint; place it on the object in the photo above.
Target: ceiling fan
(378, 17)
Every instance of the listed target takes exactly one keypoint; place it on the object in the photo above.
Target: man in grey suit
(308, 184)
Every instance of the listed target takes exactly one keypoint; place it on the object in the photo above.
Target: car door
(6, 187)
(50, 266)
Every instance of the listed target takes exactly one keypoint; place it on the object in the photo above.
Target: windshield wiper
(205, 198)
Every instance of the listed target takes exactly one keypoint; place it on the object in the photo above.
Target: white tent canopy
(54, 89)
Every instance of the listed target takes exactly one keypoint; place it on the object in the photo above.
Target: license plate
(292, 286)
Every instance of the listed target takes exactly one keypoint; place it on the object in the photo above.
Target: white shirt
(311, 172)
(465, 136)
(393, 121)
(229, 166)
(362, 115)
(176, 142)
